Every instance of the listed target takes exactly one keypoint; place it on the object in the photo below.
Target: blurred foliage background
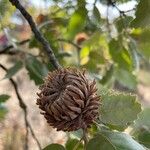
(111, 39)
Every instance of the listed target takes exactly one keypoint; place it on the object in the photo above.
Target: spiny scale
(68, 99)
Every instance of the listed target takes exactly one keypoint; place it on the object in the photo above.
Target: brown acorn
(69, 100)
(81, 37)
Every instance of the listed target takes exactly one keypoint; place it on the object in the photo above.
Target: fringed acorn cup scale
(69, 100)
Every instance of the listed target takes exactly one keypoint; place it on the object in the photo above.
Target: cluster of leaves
(113, 51)
(4, 13)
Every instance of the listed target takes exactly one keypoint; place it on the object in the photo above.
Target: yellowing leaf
(84, 52)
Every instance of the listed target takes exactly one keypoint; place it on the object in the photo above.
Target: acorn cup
(69, 100)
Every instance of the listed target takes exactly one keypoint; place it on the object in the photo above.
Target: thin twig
(37, 33)
(122, 12)
(6, 49)
(24, 108)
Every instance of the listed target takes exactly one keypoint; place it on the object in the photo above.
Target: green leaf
(108, 75)
(5, 15)
(94, 52)
(77, 22)
(4, 6)
(37, 70)
(81, 3)
(71, 143)
(123, 23)
(100, 142)
(142, 14)
(4, 98)
(141, 40)
(126, 78)
(84, 52)
(108, 140)
(118, 110)
(133, 52)
(13, 70)
(54, 147)
(120, 55)
(144, 138)
(95, 59)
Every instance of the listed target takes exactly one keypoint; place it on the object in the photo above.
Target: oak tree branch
(37, 33)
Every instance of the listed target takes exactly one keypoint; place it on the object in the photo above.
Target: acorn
(69, 100)
(81, 37)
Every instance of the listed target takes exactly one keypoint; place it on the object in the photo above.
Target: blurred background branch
(7, 48)
(23, 106)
